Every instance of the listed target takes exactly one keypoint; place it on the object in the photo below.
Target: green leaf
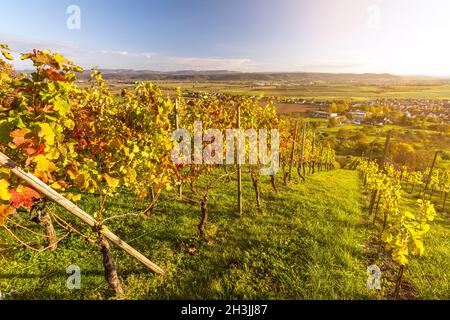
(5, 129)
(18, 122)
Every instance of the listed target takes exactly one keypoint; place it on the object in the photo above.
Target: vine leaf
(7, 55)
(23, 196)
(61, 106)
(112, 182)
(4, 192)
(5, 210)
(44, 167)
(19, 137)
(47, 133)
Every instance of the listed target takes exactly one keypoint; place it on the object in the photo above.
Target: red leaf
(23, 196)
(83, 143)
(32, 149)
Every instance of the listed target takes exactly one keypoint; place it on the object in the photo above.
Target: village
(385, 111)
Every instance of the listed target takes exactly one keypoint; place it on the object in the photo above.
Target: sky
(407, 37)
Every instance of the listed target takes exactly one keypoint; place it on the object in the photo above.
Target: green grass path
(309, 244)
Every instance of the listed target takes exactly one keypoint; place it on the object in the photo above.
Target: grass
(307, 245)
(314, 241)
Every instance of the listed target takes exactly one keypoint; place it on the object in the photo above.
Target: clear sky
(393, 36)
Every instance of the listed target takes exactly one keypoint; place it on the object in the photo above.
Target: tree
(403, 153)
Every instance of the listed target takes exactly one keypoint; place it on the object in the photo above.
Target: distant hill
(291, 77)
(128, 75)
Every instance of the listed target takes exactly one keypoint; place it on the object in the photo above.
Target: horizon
(440, 77)
(403, 38)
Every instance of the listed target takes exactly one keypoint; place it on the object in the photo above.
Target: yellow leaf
(47, 133)
(42, 163)
(4, 193)
(112, 182)
(44, 167)
(56, 186)
(62, 106)
(7, 55)
(72, 197)
(69, 124)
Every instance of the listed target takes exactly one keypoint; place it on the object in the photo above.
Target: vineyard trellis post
(386, 148)
(398, 284)
(239, 169)
(177, 126)
(303, 148)
(319, 166)
(76, 211)
(291, 160)
(431, 173)
(313, 150)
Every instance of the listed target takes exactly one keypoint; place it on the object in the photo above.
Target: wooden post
(239, 169)
(292, 151)
(177, 126)
(303, 147)
(386, 148)
(320, 158)
(372, 201)
(430, 174)
(313, 158)
(399, 282)
(327, 158)
(76, 211)
(445, 200)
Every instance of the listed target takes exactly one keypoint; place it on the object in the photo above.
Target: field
(318, 92)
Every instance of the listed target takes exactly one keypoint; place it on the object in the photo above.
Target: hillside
(308, 245)
(315, 241)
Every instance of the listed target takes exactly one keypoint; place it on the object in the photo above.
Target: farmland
(318, 92)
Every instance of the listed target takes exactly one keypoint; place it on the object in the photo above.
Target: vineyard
(89, 178)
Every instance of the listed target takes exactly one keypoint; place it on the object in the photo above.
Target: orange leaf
(5, 210)
(19, 136)
(54, 75)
